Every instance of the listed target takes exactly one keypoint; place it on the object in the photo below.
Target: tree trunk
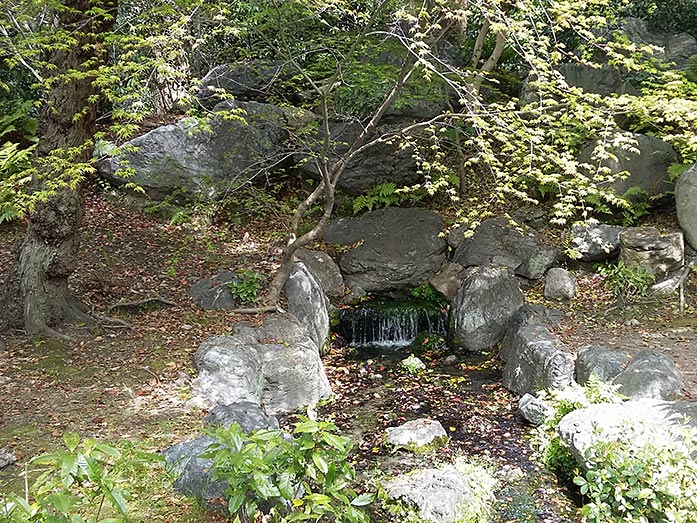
(36, 295)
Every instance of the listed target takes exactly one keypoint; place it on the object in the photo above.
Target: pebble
(451, 360)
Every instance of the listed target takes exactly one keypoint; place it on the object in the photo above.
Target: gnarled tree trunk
(36, 294)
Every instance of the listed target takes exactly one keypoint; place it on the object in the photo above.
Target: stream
(461, 390)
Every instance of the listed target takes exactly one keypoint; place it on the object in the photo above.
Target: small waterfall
(390, 325)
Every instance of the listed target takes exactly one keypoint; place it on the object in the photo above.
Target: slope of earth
(128, 381)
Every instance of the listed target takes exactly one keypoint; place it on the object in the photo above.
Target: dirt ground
(132, 381)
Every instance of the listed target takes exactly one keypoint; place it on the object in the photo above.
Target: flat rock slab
(416, 433)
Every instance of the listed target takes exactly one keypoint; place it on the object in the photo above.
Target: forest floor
(130, 384)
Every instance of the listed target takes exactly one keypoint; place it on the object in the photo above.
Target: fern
(382, 195)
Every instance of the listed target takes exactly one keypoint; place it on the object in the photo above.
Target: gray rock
(193, 473)
(497, 243)
(637, 421)
(534, 410)
(397, 249)
(595, 242)
(252, 80)
(560, 284)
(275, 365)
(674, 48)
(417, 433)
(601, 361)
(308, 303)
(538, 312)
(686, 204)
(229, 369)
(456, 236)
(7, 457)
(451, 360)
(645, 247)
(322, 267)
(483, 308)
(203, 160)
(605, 80)
(670, 283)
(650, 374)
(214, 293)
(246, 414)
(382, 163)
(648, 169)
(448, 280)
(534, 359)
(448, 494)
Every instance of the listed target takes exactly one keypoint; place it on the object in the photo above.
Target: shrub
(655, 482)
(75, 486)
(246, 288)
(625, 281)
(301, 478)
(549, 447)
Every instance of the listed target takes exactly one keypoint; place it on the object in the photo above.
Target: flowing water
(390, 324)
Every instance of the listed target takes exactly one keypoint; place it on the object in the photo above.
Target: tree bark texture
(36, 295)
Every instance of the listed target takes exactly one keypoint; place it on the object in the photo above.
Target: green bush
(305, 477)
(655, 482)
(246, 288)
(75, 486)
(625, 281)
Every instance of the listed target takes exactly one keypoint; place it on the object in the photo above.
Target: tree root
(258, 310)
(42, 330)
(139, 303)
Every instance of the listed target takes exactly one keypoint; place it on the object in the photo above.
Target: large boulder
(534, 358)
(598, 360)
(276, 365)
(483, 308)
(308, 303)
(675, 48)
(384, 162)
(604, 80)
(647, 248)
(650, 374)
(647, 166)
(395, 249)
(195, 159)
(449, 494)
(637, 421)
(323, 267)
(251, 80)
(496, 242)
(595, 242)
(686, 204)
